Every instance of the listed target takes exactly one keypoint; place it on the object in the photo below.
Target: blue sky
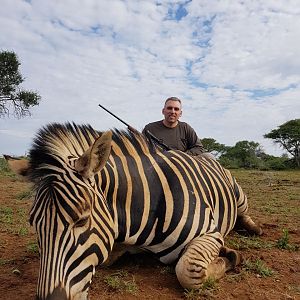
(234, 64)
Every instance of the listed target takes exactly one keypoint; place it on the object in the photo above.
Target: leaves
(287, 136)
(12, 97)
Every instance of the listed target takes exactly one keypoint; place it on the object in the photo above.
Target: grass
(270, 197)
(240, 242)
(6, 215)
(294, 196)
(4, 261)
(279, 208)
(119, 282)
(283, 242)
(32, 247)
(207, 289)
(25, 195)
(279, 204)
(191, 294)
(209, 284)
(5, 170)
(23, 231)
(14, 221)
(167, 270)
(236, 277)
(258, 267)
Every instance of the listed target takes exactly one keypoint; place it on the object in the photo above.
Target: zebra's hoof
(233, 256)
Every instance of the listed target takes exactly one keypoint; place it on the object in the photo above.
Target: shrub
(276, 163)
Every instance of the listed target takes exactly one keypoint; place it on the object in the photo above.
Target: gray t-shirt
(182, 137)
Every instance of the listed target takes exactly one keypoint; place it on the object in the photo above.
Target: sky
(234, 64)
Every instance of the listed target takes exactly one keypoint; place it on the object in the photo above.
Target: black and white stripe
(168, 203)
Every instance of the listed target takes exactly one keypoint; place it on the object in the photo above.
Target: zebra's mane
(56, 143)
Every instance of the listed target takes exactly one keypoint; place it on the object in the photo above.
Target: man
(173, 133)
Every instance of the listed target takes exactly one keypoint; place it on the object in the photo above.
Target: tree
(12, 97)
(287, 136)
(276, 163)
(211, 145)
(244, 154)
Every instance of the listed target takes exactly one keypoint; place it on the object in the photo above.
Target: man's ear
(94, 159)
(17, 165)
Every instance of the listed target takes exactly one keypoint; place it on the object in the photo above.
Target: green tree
(276, 163)
(245, 154)
(12, 97)
(287, 136)
(211, 145)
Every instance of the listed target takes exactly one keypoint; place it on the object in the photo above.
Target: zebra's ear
(94, 159)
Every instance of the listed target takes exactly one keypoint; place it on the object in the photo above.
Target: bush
(277, 163)
(267, 162)
(229, 163)
(248, 163)
(4, 168)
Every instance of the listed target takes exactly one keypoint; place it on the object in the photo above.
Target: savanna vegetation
(251, 155)
(270, 267)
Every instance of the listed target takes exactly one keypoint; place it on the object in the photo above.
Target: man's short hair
(173, 99)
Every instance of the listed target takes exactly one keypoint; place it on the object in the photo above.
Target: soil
(141, 276)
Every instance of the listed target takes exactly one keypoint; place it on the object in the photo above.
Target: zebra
(95, 191)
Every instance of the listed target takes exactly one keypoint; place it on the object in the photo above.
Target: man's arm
(144, 131)
(194, 145)
(154, 140)
(196, 149)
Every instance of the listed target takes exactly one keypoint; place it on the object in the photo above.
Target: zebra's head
(70, 214)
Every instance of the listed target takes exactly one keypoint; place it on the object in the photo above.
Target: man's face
(172, 112)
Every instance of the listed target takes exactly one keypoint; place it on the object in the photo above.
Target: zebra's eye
(81, 222)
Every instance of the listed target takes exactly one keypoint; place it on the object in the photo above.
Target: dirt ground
(274, 198)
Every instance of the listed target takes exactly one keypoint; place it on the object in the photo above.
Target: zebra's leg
(201, 260)
(233, 257)
(243, 220)
(118, 250)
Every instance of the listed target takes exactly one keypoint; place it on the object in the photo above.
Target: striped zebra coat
(96, 190)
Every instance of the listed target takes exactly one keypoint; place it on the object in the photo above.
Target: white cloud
(252, 45)
(131, 55)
